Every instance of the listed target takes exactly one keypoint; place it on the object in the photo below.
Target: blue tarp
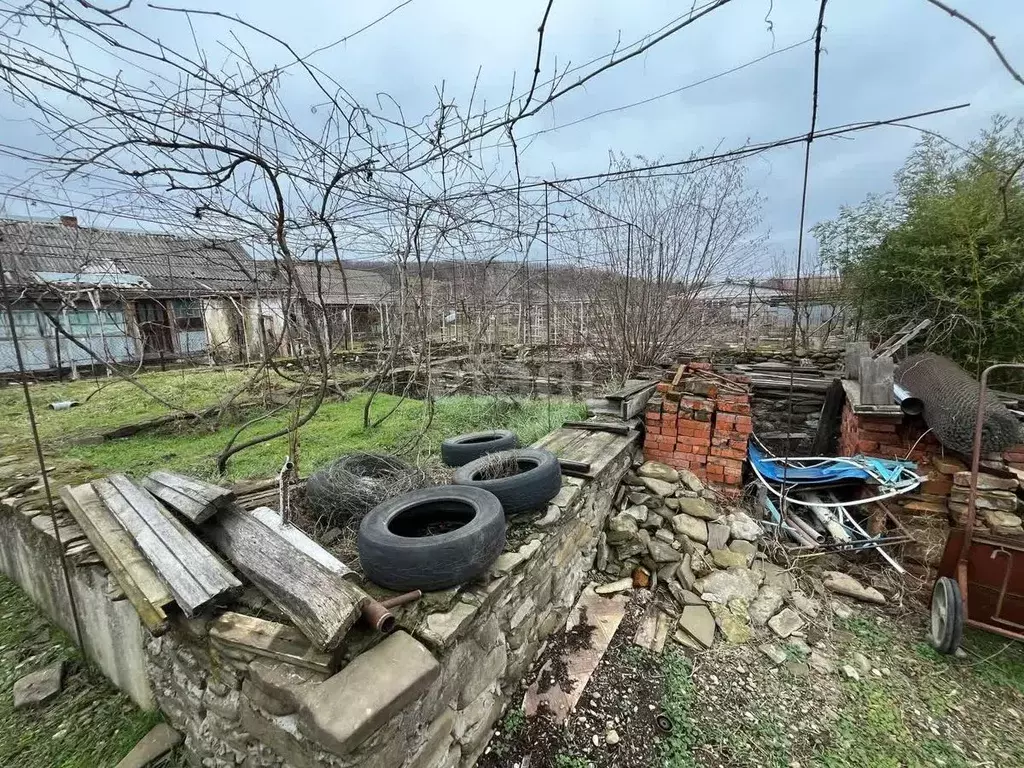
(826, 472)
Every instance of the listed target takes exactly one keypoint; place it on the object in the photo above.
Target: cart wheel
(947, 615)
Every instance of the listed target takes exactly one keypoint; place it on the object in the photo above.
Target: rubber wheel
(462, 449)
(947, 615)
(538, 481)
(431, 539)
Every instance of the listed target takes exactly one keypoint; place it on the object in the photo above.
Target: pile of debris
(670, 533)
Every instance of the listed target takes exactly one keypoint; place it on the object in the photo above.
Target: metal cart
(981, 576)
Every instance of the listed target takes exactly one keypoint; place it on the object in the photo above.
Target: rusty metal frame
(969, 537)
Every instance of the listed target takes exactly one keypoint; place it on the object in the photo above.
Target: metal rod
(972, 508)
(23, 375)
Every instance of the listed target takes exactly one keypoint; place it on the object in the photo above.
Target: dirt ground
(863, 689)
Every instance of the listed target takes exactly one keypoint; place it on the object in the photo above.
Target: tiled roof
(167, 263)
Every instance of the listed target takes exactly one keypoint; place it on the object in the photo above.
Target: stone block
(40, 687)
(485, 672)
(349, 707)
(441, 629)
(160, 740)
(436, 742)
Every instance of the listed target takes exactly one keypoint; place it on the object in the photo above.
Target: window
(188, 314)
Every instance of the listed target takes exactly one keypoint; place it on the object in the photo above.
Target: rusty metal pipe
(378, 615)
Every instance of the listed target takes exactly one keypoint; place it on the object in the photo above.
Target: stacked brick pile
(887, 437)
(700, 421)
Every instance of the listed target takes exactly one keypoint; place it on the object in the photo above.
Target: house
(131, 297)
(350, 304)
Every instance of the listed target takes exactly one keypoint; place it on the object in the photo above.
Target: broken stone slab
(804, 604)
(553, 515)
(773, 652)
(159, 741)
(742, 526)
(690, 527)
(730, 585)
(440, 629)
(614, 587)
(665, 536)
(745, 548)
(726, 558)
(658, 471)
(690, 480)
(658, 487)
(345, 710)
(844, 584)
(638, 513)
(671, 503)
(663, 553)
(40, 687)
(681, 596)
(767, 603)
(785, 622)
(684, 573)
(698, 622)
(277, 687)
(698, 508)
(685, 640)
(638, 498)
(986, 482)
(732, 621)
(667, 572)
(820, 663)
(629, 549)
(998, 519)
(718, 536)
(601, 554)
(621, 528)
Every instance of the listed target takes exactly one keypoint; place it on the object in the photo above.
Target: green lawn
(193, 447)
(90, 725)
(336, 429)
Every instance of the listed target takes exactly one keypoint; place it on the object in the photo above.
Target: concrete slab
(349, 707)
(39, 687)
(160, 740)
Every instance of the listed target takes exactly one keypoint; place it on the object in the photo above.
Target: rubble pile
(671, 535)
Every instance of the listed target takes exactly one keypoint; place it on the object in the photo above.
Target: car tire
(539, 479)
(947, 615)
(431, 539)
(462, 449)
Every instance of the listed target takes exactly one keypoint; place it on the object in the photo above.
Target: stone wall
(427, 696)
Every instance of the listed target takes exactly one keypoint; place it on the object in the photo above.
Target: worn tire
(530, 489)
(947, 615)
(462, 449)
(396, 551)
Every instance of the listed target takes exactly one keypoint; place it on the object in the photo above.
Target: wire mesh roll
(950, 397)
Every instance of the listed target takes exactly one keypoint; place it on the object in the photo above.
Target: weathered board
(140, 583)
(192, 499)
(192, 572)
(268, 639)
(301, 541)
(595, 448)
(290, 569)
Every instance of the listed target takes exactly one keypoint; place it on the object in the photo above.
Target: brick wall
(887, 437)
(702, 424)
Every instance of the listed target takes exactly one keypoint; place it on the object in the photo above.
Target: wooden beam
(191, 571)
(137, 579)
(193, 499)
(313, 596)
(301, 541)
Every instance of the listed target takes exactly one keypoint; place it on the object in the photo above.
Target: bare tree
(652, 243)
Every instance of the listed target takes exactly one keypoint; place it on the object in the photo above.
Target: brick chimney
(69, 221)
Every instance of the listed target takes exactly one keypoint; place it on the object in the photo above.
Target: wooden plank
(191, 486)
(194, 510)
(302, 542)
(902, 339)
(192, 573)
(635, 404)
(876, 378)
(204, 566)
(270, 640)
(598, 426)
(139, 582)
(320, 604)
(603, 615)
(632, 387)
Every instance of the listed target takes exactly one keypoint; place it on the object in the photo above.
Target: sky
(881, 59)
